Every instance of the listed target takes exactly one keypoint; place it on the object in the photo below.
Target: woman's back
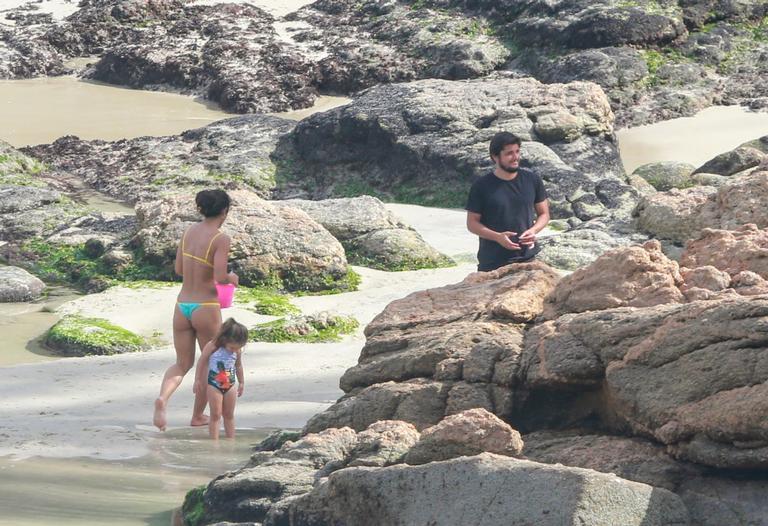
(197, 249)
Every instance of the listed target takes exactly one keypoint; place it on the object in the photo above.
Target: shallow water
(35, 111)
(24, 325)
(143, 491)
(693, 140)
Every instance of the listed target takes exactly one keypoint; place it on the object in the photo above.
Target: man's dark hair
(502, 139)
(212, 202)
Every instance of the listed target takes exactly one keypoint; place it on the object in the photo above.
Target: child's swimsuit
(188, 308)
(221, 369)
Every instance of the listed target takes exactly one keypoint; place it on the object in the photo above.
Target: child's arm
(239, 372)
(202, 368)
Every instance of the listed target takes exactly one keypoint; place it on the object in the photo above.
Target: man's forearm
(540, 223)
(483, 231)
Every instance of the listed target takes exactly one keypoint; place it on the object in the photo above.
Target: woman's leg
(215, 399)
(206, 322)
(184, 342)
(228, 412)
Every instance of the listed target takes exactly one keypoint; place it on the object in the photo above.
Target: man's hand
(505, 240)
(528, 238)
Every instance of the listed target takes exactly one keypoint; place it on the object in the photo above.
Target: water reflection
(143, 491)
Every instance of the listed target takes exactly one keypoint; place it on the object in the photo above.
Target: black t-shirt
(505, 206)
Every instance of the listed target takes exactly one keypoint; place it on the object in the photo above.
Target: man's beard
(509, 169)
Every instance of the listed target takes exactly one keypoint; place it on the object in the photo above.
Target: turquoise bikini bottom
(188, 308)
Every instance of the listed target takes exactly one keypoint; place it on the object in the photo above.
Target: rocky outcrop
(26, 214)
(17, 284)
(371, 235)
(79, 336)
(730, 251)
(467, 433)
(712, 499)
(664, 176)
(361, 44)
(230, 53)
(453, 492)
(442, 351)
(637, 276)
(272, 477)
(234, 153)
(274, 245)
(680, 215)
(427, 140)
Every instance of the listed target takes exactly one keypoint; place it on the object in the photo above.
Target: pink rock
(731, 251)
(468, 433)
(636, 276)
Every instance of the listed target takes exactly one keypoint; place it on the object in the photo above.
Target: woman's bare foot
(201, 420)
(159, 418)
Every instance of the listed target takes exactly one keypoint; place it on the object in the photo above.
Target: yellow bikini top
(203, 260)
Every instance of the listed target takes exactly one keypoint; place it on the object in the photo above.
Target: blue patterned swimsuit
(221, 369)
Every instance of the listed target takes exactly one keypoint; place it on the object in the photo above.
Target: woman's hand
(240, 388)
(197, 387)
(233, 279)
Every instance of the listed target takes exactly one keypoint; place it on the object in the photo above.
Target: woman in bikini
(201, 260)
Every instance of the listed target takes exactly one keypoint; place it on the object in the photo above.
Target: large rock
(467, 433)
(24, 54)
(233, 153)
(692, 377)
(269, 244)
(731, 251)
(419, 401)
(457, 491)
(453, 348)
(712, 499)
(33, 213)
(633, 276)
(666, 175)
(361, 44)
(425, 141)
(229, 53)
(732, 162)
(371, 235)
(17, 284)
(680, 215)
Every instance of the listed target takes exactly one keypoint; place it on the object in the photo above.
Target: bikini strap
(210, 245)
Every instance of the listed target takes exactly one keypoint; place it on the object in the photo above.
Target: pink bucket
(226, 292)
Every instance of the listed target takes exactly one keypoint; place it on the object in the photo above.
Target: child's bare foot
(159, 418)
(201, 420)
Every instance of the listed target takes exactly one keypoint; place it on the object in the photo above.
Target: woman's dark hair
(502, 139)
(212, 202)
(231, 332)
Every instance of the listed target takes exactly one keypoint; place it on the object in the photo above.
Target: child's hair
(231, 332)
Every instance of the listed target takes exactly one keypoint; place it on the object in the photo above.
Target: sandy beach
(101, 407)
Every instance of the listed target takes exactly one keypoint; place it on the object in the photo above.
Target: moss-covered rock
(18, 169)
(193, 508)
(667, 175)
(76, 265)
(317, 328)
(80, 336)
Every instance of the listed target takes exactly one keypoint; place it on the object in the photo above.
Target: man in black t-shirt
(507, 207)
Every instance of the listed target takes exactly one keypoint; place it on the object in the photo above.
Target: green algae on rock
(81, 336)
(317, 328)
(265, 300)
